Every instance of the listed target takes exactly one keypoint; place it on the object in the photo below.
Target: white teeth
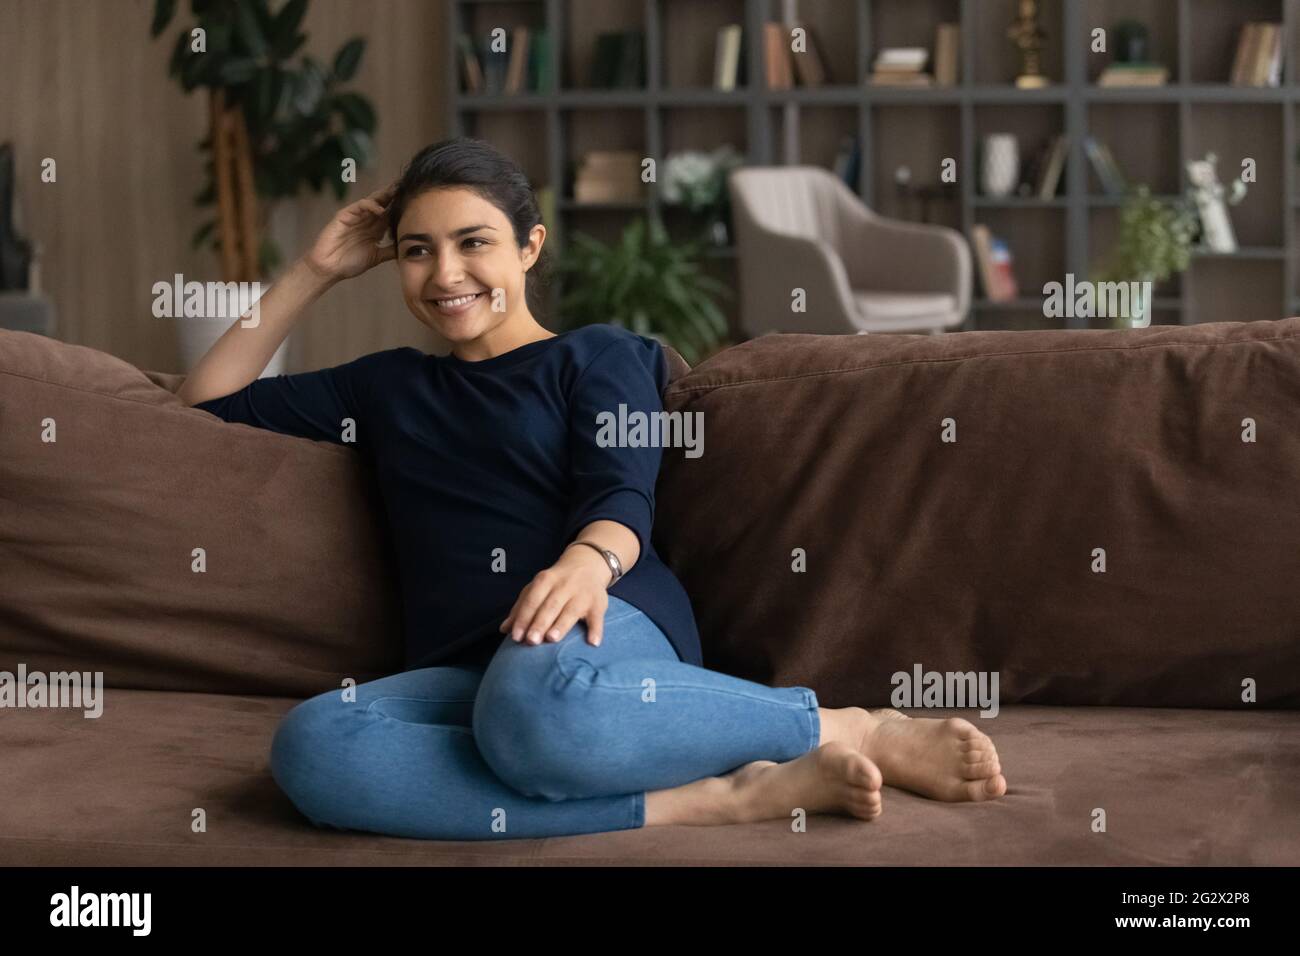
(452, 303)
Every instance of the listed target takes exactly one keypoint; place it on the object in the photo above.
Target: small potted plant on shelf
(1155, 241)
(646, 283)
(698, 180)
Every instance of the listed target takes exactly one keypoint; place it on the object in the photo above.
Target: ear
(536, 238)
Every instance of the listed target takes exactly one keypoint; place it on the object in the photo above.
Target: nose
(448, 272)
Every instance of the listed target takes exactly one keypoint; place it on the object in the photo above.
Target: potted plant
(645, 283)
(1155, 241)
(698, 180)
(275, 127)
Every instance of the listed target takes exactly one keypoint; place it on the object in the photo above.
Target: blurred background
(907, 165)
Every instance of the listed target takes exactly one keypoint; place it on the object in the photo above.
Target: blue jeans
(551, 739)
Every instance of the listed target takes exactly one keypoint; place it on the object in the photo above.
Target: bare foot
(834, 778)
(944, 759)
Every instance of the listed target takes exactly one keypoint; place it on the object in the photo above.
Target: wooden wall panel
(85, 84)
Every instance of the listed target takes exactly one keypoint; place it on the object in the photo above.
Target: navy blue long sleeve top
(488, 470)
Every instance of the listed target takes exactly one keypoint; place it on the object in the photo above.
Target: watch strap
(611, 559)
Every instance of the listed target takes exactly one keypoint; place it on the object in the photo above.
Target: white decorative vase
(1000, 167)
(198, 335)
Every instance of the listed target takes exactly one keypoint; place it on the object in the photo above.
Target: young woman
(554, 682)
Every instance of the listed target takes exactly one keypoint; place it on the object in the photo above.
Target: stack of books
(784, 64)
(523, 66)
(1259, 55)
(1134, 74)
(901, 66)
(607, 175)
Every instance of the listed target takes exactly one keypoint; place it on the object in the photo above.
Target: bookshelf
(1151, 130)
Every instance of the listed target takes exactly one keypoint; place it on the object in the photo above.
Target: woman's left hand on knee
(558, 597)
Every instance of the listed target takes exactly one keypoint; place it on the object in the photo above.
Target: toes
(987, 789)
(977, 748)
(982, 770)
(869, 806)
(866, 774)
(963, 729)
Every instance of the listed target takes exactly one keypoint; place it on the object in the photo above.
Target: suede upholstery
(1120, 690)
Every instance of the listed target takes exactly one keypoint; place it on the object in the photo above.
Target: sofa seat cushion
(904, 305)
(120, 790)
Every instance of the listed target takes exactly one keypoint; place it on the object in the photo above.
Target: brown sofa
(828, 537)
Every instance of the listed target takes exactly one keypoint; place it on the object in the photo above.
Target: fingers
(385, 194)
(544, 618)
(595, 626)
(563, 623)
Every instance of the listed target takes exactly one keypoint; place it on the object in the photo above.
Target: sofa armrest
(774, 264)
(894, 255)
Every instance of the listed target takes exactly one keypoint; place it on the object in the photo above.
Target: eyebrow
(425, 237)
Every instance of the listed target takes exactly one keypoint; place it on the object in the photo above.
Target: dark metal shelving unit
(1073, 93)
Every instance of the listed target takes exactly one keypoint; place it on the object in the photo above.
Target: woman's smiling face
(452, 243)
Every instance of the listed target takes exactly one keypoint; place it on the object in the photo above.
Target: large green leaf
(177, 61)
(285, 37)
(310, 87)
(249, 30)
(163, 10)
(356, 111)
(356, 144)
(348, 58)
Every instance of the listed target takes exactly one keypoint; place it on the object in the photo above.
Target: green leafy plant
(646, 283)
(1155, 240)
(300, 124)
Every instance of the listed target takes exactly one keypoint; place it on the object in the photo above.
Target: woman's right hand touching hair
(349, 243)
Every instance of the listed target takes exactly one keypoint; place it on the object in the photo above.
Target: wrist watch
(615, 567)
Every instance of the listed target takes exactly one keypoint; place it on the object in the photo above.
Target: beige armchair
(802, 227)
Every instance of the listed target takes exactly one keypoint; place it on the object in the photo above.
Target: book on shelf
(780, 72)
(783, 63)
(524, 66)
(1104, 165)
(905, 57)
(608, 176)
(470, 70)
(995, 265)
(900, 79)
(947, 54)
(517, 71)
(539, 62)
(1258, 58)
(729, 57)
(1051, 167)
(810, 66)
(900, 66)
(619, 60)
(1134, 74)
(848, 160)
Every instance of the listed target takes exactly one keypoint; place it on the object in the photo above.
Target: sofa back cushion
(99, 530)
(867, 505)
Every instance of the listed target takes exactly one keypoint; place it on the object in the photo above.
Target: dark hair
(478, 165)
